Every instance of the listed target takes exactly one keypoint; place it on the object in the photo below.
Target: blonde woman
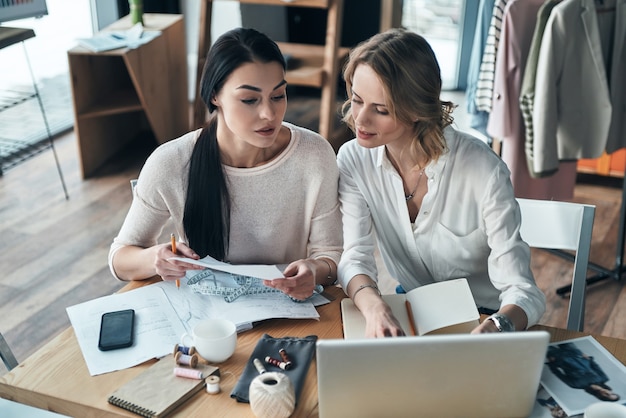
(438, 202)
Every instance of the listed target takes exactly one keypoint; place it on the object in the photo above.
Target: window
(440, 22)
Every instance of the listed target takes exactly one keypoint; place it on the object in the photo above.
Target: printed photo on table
(580, 372)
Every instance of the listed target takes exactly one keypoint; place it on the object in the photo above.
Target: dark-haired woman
(439, 202)
(248, 188)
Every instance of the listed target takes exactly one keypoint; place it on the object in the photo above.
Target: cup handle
(186, 337)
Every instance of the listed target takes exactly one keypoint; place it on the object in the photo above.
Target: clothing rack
(603, 272)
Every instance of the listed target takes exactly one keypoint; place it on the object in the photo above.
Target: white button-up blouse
(467, 226)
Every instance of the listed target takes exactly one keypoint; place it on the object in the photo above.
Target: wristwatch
(502, 322)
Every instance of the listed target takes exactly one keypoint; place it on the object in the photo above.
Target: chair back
(8, 358)
(562, 226)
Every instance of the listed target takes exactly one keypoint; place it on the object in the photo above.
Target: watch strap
(502, 322)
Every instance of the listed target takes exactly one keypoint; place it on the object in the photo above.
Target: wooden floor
(54, 251)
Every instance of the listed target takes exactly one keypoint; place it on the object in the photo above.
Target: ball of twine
(272, 395)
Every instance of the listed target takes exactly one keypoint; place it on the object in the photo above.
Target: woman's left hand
(516, 315)
(485, 327)
(299, 280)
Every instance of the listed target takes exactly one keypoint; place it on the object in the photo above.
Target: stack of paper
(108, 40)
(164, 312)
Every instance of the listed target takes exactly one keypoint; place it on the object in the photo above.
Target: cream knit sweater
(282, 211)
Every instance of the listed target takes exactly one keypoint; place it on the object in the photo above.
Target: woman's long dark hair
(207, 207)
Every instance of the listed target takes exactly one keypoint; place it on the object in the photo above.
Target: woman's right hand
(170, 269)
(379, 319)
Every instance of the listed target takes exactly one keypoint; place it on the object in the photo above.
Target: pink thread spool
(188, 373)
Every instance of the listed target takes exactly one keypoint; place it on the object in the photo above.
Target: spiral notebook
(157, 391)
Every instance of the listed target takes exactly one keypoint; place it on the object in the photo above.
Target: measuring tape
(207, 283)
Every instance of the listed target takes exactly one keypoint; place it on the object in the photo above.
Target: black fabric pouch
(300, 352)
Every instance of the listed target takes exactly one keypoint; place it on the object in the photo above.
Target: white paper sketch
(157, 328)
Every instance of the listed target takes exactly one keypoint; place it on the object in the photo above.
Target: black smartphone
(116, 330)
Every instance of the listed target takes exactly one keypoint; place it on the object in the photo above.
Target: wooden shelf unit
(121, 93)
(317, 65)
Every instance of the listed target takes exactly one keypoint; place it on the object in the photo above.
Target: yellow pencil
(173, 238)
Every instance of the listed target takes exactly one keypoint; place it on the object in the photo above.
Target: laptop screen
(458, 375)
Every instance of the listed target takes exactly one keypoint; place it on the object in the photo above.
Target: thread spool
(186, 360)
(201, 360)
(259, 366)
(184, 349)
(188, 373)
(272, 395)
(284, 356)
(213, 385)
(278, 363)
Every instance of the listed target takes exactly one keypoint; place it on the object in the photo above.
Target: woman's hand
(516, 315)
(299, 281)
(379, 319)
(170, 269)
(485, 327)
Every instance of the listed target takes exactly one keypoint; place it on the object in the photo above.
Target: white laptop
(456, 375)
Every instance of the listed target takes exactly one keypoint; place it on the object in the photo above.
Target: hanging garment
(505, 119)
(478, 118)
(484, 89)
(527, 93)
(580, 95)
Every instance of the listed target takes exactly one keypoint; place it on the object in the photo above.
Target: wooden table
(56, 376)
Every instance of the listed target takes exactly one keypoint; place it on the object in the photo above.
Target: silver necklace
(419, 179)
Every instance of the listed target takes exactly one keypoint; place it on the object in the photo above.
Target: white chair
(562, 226)
(7, 355)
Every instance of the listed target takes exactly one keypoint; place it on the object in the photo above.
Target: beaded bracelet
(363, 286)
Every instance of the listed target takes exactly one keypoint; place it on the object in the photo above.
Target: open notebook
(456, 375)
(446, 307)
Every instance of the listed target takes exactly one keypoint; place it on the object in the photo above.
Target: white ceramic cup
(605, 410)
(215, 339)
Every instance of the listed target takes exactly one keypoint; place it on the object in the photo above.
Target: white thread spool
(213, 384)
(272, 395)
